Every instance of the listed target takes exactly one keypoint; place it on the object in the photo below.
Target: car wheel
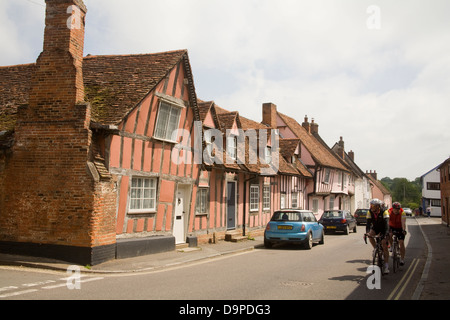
(322, 239)
(267, 244)
(309, 241)
(347, 231)
(355, 229)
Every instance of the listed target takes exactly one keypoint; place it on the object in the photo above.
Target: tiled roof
(114, 85)
(14, 88)
(320, 154)
(287, 149)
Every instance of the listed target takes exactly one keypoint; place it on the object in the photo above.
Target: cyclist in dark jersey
(378, 224)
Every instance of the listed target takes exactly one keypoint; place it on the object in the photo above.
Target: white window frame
(268, 155)
(266, 197)
(282, 200)
(143, 192)
(294, 199)
(326, 178)
(331, 203)
(254, 198)
(202, 202)
(165, 128)
(315, 205)
(232, 147)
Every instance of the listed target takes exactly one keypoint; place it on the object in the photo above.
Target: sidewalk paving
(434, 283)
(141, 263)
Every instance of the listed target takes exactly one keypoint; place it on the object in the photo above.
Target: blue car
(293, 226)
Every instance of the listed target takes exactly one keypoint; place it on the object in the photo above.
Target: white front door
(180, 210)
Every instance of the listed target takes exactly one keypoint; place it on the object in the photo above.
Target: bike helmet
(396, 205)
(376, 202)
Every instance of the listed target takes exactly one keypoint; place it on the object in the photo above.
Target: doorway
(231, 205)
(181, 207)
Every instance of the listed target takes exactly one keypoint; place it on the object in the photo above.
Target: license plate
(284, 227)
(331, 227)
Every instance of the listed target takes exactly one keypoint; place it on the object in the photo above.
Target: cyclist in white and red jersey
(397, 225)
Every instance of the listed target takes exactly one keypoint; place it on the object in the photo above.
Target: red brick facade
(50, 196)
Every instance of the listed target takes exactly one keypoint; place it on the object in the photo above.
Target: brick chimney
(314, 127)
(372, 174)
(306, 125)
(341, 149)
(52, 204)
(351, 155)
(269, 116)
(58, 80)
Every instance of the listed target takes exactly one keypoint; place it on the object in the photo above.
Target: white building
(431, 192)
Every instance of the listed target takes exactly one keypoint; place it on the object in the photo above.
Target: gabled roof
(287, 150)
(379, 185)
(320, 153)
(349, 161)
(114, 84)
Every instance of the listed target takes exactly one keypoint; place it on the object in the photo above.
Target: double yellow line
(404, 281)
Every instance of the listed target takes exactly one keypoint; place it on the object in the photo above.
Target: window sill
(164, 140)
(198, 214)
(137, 212)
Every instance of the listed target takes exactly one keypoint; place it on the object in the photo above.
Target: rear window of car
(287, 216)
(332, 214)
(361, 211)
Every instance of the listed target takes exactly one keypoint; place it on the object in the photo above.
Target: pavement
(433, 285)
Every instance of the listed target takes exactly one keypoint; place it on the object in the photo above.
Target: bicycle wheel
(398, 256)
(395, 257)
(380, 261)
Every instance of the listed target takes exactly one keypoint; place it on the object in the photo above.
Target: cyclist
(378, 224)
(397, 225)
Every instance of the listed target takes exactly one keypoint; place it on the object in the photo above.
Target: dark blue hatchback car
(338, 220)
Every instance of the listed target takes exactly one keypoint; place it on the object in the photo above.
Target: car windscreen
(287, 216)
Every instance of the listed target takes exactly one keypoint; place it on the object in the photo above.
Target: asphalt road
(336, 270)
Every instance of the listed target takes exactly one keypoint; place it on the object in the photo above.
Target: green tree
(408, 193)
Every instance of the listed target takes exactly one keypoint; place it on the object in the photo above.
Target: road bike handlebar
(366, 235)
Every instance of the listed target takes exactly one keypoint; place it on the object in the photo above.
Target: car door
(315, 228)
(352, 221)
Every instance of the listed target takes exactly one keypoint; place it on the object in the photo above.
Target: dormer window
(268, 155)
(167, 122)
(232, 147)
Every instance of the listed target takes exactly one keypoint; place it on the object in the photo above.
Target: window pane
(143, 193)
(163, 119)
(173, 123)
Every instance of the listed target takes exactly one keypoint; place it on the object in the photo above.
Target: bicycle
(378, 252)
(396, 255)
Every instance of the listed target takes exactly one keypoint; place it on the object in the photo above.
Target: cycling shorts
(398, 232)
(379, 230)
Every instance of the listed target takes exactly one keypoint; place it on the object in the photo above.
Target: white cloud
(385, 91)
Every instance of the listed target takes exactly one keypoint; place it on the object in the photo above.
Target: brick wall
(50, 195)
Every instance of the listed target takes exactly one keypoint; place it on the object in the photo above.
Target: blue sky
(383, 87)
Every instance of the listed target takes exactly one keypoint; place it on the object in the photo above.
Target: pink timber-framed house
(242, 195)
(99, 156)
(96, 160)
(332, 185)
